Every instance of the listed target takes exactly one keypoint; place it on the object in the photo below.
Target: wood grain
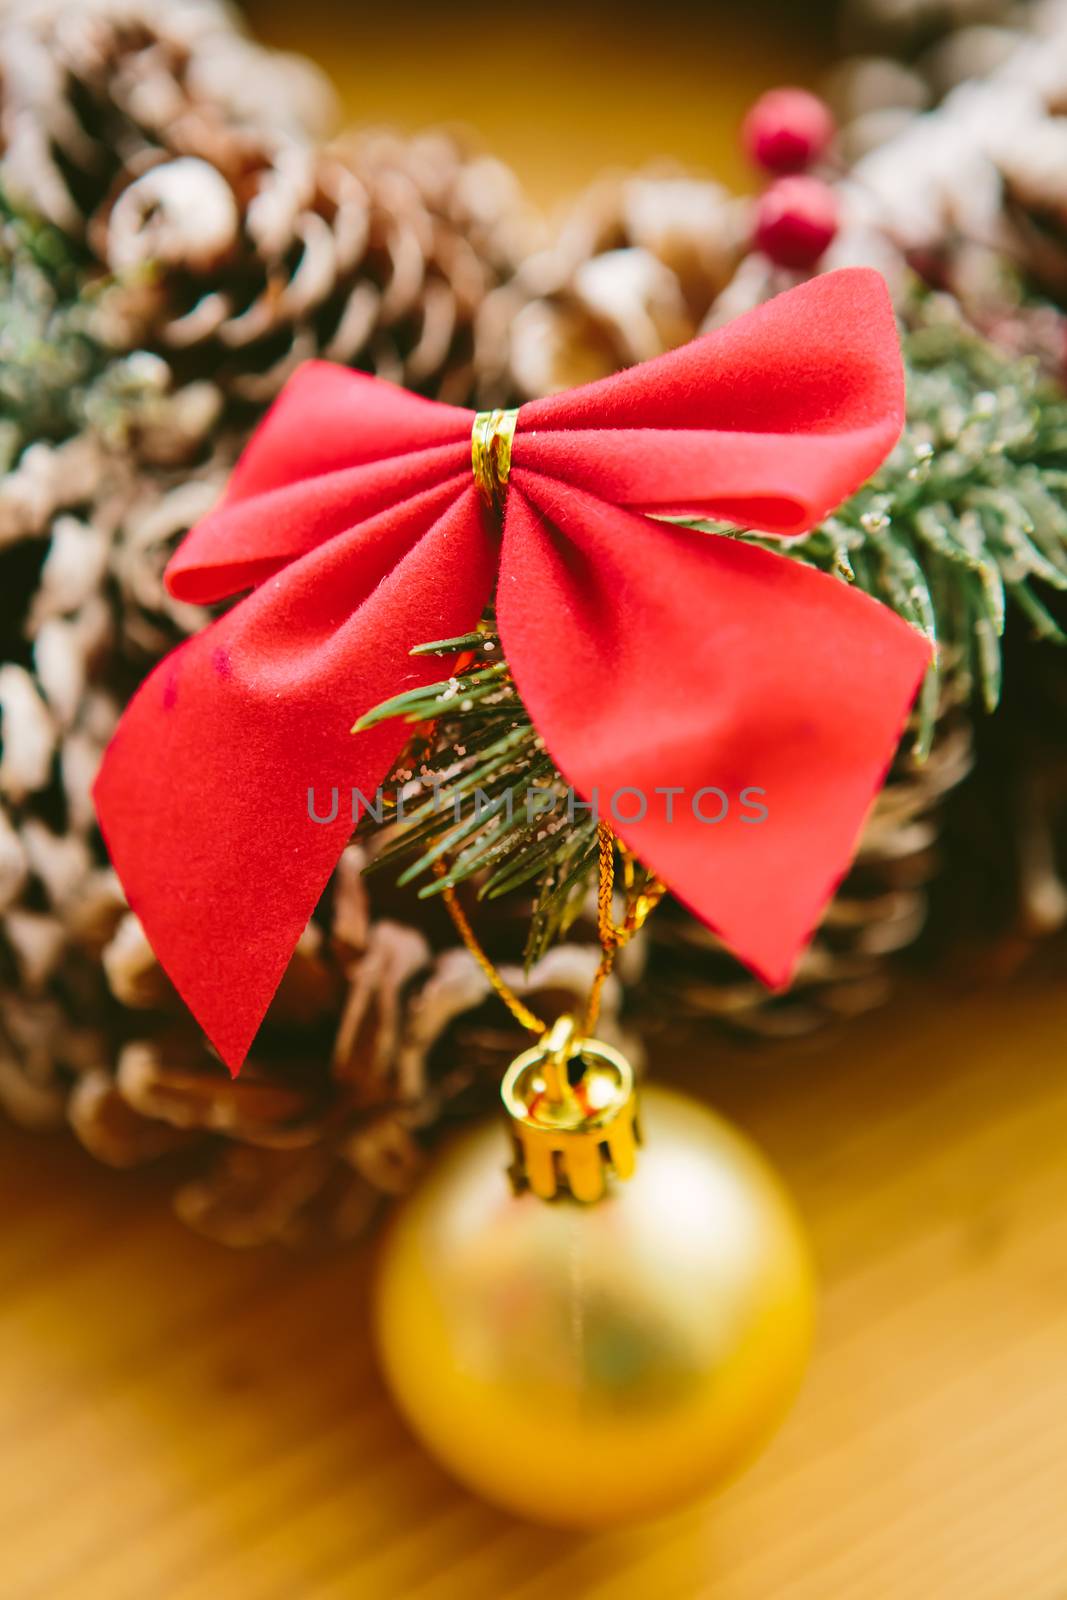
(188, 1424)
(182, 1423)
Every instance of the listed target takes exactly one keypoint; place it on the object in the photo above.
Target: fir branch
(966, 516)
(466, 799)
(58, 376)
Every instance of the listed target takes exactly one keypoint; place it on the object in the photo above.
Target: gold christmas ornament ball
(585, 1364)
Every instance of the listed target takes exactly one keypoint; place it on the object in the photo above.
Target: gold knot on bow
(491, 439)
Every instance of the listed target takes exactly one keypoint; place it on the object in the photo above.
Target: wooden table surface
(185, 1423)
(182, 1423)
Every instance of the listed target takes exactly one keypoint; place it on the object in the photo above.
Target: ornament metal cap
(571, 1130)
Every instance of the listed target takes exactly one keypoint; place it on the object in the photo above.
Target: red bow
(650, 657)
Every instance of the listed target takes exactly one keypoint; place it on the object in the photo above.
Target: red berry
(796, 220)
(787, 130)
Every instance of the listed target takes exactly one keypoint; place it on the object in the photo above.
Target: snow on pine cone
(186, 160)
(379, 1031)
(196, 242)
(632, 270)
(223, 243)
(965, 185)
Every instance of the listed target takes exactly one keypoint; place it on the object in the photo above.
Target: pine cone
(374, 1037)
(970, 194)
(633, 271)
(199, 247)
(909, 28)
(879, 911)
(156, 134)
(180, 156)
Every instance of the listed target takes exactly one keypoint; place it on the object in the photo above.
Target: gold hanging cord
(491, 440)
(613, 936)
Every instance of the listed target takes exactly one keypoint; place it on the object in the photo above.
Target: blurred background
(563, 93)
(194, 1421)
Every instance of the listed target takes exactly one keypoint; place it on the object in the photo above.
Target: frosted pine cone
(879, 911)
(633, 270)
(200, 242)
(970, 194)
(186, 159)
(374, 1036)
